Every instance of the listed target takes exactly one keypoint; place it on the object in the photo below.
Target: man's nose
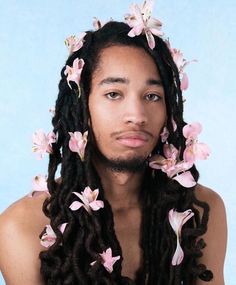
(134, 111)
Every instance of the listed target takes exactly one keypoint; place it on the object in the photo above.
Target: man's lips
(133, 138)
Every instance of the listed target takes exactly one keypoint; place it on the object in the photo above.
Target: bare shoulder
(20, 226)
(208, 195)
(25, 213)
(216, 235)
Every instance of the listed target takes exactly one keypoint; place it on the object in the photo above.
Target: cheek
(158, 120)
(159, 112)
(101, 122)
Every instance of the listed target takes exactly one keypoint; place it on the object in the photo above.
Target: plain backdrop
(32, 53)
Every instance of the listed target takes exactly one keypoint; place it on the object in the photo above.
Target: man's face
(127, 104)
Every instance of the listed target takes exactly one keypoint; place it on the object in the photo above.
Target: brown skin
(129, 107)
(23, 221)
(135, 111)
(132, 105)
(125, 111)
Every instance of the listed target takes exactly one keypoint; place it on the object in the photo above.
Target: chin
(126, 163)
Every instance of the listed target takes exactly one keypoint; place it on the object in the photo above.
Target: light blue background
(32, 53)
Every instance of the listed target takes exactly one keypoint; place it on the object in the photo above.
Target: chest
(127, 228)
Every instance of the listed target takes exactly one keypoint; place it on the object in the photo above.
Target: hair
(68, 260)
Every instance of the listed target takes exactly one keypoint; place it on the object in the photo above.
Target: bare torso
(127, 228)
(24, 220)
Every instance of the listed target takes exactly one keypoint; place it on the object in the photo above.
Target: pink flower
(89, 200)
(194, 150)
(107, 260)
(181, 63)
(97, 24)
(49, 237)
(184, 81)
(42, 143)
(78, 143)
(73, 43)
(170, 165)
(39, 185)
(177, 220)
(191, 131)
(179, 59)
(73, 73)
(139, 19)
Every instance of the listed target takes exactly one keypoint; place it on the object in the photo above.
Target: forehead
(125, 60)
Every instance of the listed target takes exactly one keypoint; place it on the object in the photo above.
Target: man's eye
(153, 97)
(112, 95)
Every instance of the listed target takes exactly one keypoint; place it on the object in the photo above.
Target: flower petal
(184, 82)
(73, 73)
(75, 206)
(78, 142)
(156, 161)
(185, 179)
(136, 31)
(48, 238)
(201, 150)
(178, 255)
(108, 260)
(89, 199)
(92, 263)
(89, 194)
(177, 220)
(39, 186)
(96, 205)
(170, 151)
(47, 241)
(191, 131)
(73, 43)
(97, 24)
(62, 227)
(42, 143)
(196, 151)
(150, 39)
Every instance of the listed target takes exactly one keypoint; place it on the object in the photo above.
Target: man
(111, 218)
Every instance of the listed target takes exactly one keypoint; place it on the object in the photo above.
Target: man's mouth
(133, 138)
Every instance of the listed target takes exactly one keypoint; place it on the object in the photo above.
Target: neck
(121, 189)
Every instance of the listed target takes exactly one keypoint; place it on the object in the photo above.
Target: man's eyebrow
(157, 82)
(110, 80)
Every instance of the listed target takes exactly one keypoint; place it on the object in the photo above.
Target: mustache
(137, 131)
